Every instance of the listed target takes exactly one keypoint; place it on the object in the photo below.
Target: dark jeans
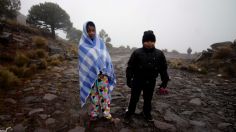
(139, 85)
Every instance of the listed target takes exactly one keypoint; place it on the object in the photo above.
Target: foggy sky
(178, 24)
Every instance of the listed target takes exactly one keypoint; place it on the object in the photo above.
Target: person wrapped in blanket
(96, 73)
(143, 68)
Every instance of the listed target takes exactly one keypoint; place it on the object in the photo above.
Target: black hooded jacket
(145, 64)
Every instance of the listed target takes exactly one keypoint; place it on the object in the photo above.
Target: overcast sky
(178, 24)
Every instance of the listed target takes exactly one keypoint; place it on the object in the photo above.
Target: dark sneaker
(148, 117)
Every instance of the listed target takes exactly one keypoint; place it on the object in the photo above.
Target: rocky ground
(50, 102)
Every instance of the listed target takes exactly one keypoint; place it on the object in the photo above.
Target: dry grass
(55, 62)
(32, 54)
(43, 64)
(22, 72)
(8, 79)
(175, 63)
(40, 42)
(21, 59)
(41, 53)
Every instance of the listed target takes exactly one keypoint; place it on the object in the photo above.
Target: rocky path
(50, 102)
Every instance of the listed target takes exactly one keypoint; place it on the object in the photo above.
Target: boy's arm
(130, 69)
(163, 72)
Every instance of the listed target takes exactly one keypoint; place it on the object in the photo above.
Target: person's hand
(130, 83)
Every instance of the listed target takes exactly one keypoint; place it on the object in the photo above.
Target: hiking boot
(148, 117)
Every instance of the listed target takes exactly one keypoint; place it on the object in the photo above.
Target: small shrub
(24, 71)
(40, 42)
(41, 53)
(21, 59)
(43, 64)
(32, 54)
(33, 68)
(55, 62)
(8, 79)
(175, 63)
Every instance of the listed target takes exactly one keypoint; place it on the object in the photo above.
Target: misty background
(178, 24)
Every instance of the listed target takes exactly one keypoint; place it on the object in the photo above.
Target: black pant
(139, 85)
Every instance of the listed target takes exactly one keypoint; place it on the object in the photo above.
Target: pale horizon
(177, 24)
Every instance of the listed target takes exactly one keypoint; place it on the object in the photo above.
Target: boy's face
(91, 31)
(149, 44)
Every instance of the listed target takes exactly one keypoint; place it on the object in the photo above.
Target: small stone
(223, 125)
(10, 100)
(43, 116)
(126, 130)
(19, 128)
(50, 121)
(169, 116)
(36, 111)
(163, 126)
(29, 89)
(29, 99)
(5, 117)
(187, 112)
(196, 101)
(57, 112)
(41, 130)
(77, 129)
(197, 123)
(49, 97)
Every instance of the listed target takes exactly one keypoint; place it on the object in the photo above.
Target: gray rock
(77, 129)
(38, 110)
(223, 125)
(6, 37)
(195, 101)
(49, 97)
(28, 89)
(5, 117)
(126, 130)
(169, 116)
(38, 81)
(57, 112)
(217, 46)
(53, 49)
(43, 116)
(197, 123)
(50, 121)
(41, 130)
(55, 56)
(29, 99)
(19, 128)
(115, 109)
(163, 126)
(161, 107)
(10, 100)
(187, 112)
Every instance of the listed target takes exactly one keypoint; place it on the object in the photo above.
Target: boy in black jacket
(143, 68)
